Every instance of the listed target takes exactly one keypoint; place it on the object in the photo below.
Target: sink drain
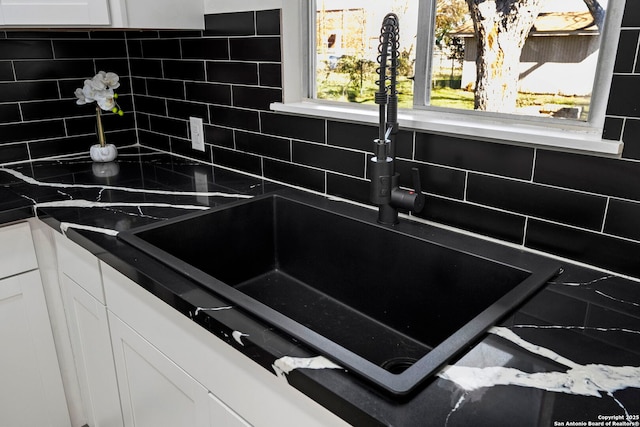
(398, 365)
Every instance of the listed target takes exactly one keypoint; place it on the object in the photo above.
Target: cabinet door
(91, 345)
(54, 12)
(223, 416)
(154, 391)
(31, 392)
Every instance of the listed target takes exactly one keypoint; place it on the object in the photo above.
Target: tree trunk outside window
(501, 28)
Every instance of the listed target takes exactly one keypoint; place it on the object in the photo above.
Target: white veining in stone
(599, 292)
(33, 181)
(64, 226)
(286, 364)
(584, 380)
(199, 309)
(581, 328)
(80, 203)
(237, 335)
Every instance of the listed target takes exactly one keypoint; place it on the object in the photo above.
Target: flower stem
(101, 139)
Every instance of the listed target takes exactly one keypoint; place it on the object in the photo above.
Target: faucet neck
(387, 95)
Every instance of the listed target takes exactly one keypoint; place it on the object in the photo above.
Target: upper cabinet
(158, 14)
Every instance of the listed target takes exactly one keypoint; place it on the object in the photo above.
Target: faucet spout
(385, 191)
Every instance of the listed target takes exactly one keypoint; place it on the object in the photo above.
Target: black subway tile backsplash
(303, 128)
(540, 201)
(230, 24)
(211, 49)
(6, 71)
(231, 72)
(329, 158)
(25, 49)
(255, 49)
(588, 247)
(609, 177)
(28, 91)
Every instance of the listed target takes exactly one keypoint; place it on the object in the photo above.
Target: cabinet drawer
(80, 266)
(17, 253)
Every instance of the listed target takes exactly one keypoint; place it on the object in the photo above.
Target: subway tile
(500, 159)
(163, 49)
(154, 140)
(151, 105)
(25, 49)
(257, 98)
(106, 34)
(28, 91)
(279, 148)
(348, 187)
(38, 70)
(146, 67)
(234, 118)
(559, 205)
(60, 146)
(433, 179)
(30, 131)
(303, 128)
(232, 72)
(612, 128)
(268, 22)
(210, 49)
(134, 47)
(295, 175)
(183, 70)
(255, 49)
(599, 175)
(361, 137)
(591, 248)
(229, 24)
(183, 147)
(142, 34)
(169, 126)
(219, 136)
(6, 71)
(474, 218)
(623, 96)
(208, 92)
(329, 158)
(631, 16)
(179, 34)
(631, 139)
(39, 110)
(13, 152)
(625, 56)
(89, 48)
(120, 66)
(139, 85)
(185, 109)
(165, 88)
(87, 124)
(9, 113)
(622, 219)
(270, 75)
(142, 121)
(237, 160)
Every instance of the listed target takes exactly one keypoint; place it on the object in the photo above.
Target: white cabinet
(184, 14)
(86, 314)
(55, 12)
(153, 389)
(243, 391)
(31, 390)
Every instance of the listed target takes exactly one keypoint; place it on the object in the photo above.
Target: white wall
(224, 6)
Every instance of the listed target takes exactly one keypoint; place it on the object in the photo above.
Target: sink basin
(390, 306)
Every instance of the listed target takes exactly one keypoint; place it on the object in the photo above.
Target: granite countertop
(569, 356)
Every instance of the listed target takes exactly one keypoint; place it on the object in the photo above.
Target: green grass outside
(336, 87)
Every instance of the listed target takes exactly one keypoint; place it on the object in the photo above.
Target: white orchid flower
(100, 89)
(112, 80)
(81, 98)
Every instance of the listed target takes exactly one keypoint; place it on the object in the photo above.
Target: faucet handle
(419, 200)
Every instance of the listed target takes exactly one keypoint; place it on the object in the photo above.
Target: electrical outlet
(197, 133)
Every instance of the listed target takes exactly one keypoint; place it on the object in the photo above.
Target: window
(556, 96)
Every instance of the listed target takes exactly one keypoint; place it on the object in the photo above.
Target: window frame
(298, 43)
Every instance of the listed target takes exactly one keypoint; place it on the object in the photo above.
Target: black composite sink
(390, 306)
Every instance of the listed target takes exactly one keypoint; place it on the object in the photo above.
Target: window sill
(451, 124)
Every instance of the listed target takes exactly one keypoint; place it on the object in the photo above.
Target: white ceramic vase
(106, 153)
